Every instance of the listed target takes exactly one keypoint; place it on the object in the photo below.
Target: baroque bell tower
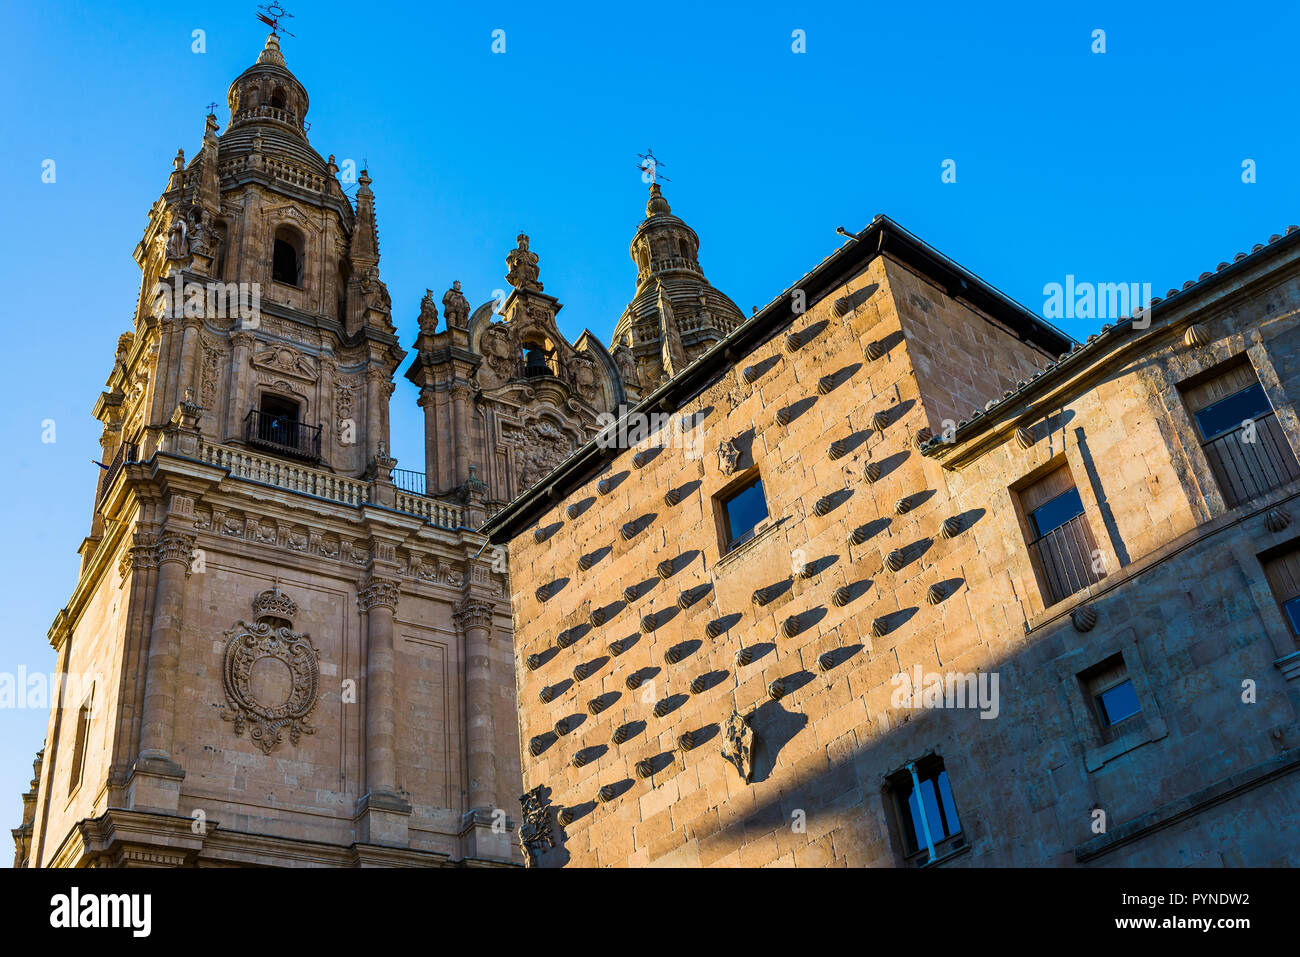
(277, 651)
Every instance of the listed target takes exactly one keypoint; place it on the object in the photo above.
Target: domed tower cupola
(268, 94)
(675, 314)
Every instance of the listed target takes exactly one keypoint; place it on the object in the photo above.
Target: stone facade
(683, 703)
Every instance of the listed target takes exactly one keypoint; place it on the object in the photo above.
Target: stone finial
(1084, 617)
(1196, 336)
(1024, 438)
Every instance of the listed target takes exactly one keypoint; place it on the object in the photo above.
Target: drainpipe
(920, 806)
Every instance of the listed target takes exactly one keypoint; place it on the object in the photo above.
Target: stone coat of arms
(270, 673)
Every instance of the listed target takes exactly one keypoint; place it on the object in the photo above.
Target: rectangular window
(1240, 435)
(1112, 696)
(925, 811)
(743, 511)
(79, 743)
(1283, 574)
(1062, 545)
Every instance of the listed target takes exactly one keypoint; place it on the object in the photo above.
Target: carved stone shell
(761, 597)
(714, 628)
(784, 415)
(879, 421)
(616, 647)
(744, 656)
(672, 497)
(776, 690)
(749, 374)
(665, 569)
(647, 624)
(620, 734)
(586, 561)
(685, 741)
(605, 794)
(837, 449)
(579, 759)
(843, 595)
(823, 505)
(872, 472)
(1277, 519)
(826, 661)
(533, 662)
(633, 681)
(793, 341)
(536, 746)
(604, 486)
(546, 694)
(644, 769)
(562, 727)
(662, 707)
(895, 560)
(1024, 438)
(936, 593)
(597, 617)
(539, 534)
(565, 816)
(874, 351)
(579, 671)
(673, 655)
(790, 627)
(596, 705)
(925, 435)
(825, 384)
(572, 512)
(699, 684)
(840, 307)
(879, 626)
(951, 526)
(858, 535)
(903, 505)
(1196, 337)
(1084, 617)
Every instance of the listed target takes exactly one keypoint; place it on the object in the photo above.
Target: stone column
(155, 779)
(474, 617)
(460, 397)
(375, 378)
(378, 600)
(383, 816)
(189, 345)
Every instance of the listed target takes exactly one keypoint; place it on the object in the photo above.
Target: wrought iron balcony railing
(126, 452)
(280, 434)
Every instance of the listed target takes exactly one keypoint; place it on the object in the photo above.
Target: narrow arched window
(287, 257)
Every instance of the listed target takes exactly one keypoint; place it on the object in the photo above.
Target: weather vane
(271, 15)
(649, 167)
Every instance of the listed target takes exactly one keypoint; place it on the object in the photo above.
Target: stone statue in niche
(178, 246)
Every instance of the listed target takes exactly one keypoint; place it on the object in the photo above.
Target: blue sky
(1123, 166)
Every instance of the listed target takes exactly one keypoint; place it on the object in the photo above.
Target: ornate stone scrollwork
(270, 673)
(535, 834)
(738, 745)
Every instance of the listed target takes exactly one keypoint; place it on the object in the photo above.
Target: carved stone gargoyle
(738, 745)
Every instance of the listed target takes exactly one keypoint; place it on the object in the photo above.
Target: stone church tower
(280, 649)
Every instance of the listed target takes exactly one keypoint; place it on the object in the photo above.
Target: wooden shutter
(1229, 382)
